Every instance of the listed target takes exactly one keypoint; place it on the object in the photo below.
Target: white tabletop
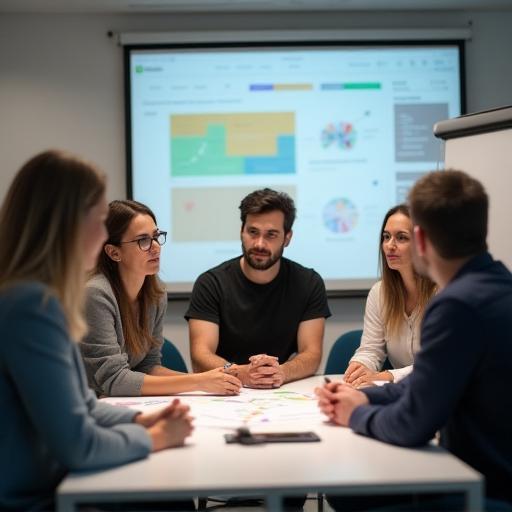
(342, 463)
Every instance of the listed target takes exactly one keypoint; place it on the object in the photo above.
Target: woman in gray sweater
(52, 225)
(125, 310)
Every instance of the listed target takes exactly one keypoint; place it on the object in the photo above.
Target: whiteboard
(481, 145)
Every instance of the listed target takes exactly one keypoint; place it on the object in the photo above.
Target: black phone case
(273, 437)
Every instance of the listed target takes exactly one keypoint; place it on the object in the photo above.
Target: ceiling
(156, 6)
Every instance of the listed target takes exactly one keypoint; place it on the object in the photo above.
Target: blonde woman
(52, 227)
(394, 307)
(125, 310)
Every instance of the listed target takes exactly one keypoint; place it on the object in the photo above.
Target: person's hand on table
(267, 377)
(279, 377)
(219, 381)
(338, 400)
(262, 372)
(358, 375)
(168, 427)
(326, 398)
(147, 419)
(265, 372)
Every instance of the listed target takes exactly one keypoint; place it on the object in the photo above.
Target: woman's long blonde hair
(41, 228)
(393, 292)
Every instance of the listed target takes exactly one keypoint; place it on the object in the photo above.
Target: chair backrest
(341, 352)
(171, 357)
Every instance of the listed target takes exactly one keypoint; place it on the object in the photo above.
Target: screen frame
(363, 286)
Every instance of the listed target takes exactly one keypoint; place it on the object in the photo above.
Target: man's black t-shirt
(258, 318)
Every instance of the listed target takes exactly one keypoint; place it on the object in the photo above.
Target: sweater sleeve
(372, 351)
(106, 362)
(154, 355)
(400, 373)
(41, 362)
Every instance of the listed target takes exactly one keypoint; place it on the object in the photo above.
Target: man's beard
(264, 264)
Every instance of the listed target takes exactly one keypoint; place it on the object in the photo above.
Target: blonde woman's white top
(376, 344)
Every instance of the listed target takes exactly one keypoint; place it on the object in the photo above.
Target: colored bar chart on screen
(233, 144)
(280, 87)
(350, 86)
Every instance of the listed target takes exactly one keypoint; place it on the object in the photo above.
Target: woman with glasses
(53, 216)
(125, 310)
(394, 307)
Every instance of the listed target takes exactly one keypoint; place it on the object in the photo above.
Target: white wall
(61, 85)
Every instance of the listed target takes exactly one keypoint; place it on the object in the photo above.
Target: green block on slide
(204, 156)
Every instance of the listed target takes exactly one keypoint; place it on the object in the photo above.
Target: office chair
(341, 352)
(343, 349)
(171, 357)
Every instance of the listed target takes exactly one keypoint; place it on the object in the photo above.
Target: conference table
(342, 463)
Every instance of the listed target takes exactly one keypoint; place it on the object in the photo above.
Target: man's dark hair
(268, 200)
(451, 207)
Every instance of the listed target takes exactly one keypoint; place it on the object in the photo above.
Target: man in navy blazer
(459, 385)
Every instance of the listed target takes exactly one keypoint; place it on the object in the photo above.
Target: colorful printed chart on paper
(250, 408)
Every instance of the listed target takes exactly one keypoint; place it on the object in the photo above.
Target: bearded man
(260, 315)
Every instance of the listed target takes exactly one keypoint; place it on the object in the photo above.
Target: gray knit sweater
(111, 370)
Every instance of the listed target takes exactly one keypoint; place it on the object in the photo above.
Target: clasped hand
(262, 372)
(169, 426)
(338, 401)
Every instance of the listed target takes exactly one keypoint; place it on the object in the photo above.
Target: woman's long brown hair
(393, 292)
(137, 336)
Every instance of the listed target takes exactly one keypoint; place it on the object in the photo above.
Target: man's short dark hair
(452, 208)
(267, 200)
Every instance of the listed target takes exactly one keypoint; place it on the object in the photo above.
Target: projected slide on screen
(345, 131)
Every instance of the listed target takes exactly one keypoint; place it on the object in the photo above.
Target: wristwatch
(227, 366)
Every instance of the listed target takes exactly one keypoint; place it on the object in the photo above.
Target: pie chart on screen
(342, 135)
(340, 215)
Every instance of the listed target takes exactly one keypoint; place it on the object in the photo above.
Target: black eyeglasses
(146, 242)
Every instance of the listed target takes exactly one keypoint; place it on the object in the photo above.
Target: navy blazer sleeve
(410, 412)
(385, 394)
(42, 364)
